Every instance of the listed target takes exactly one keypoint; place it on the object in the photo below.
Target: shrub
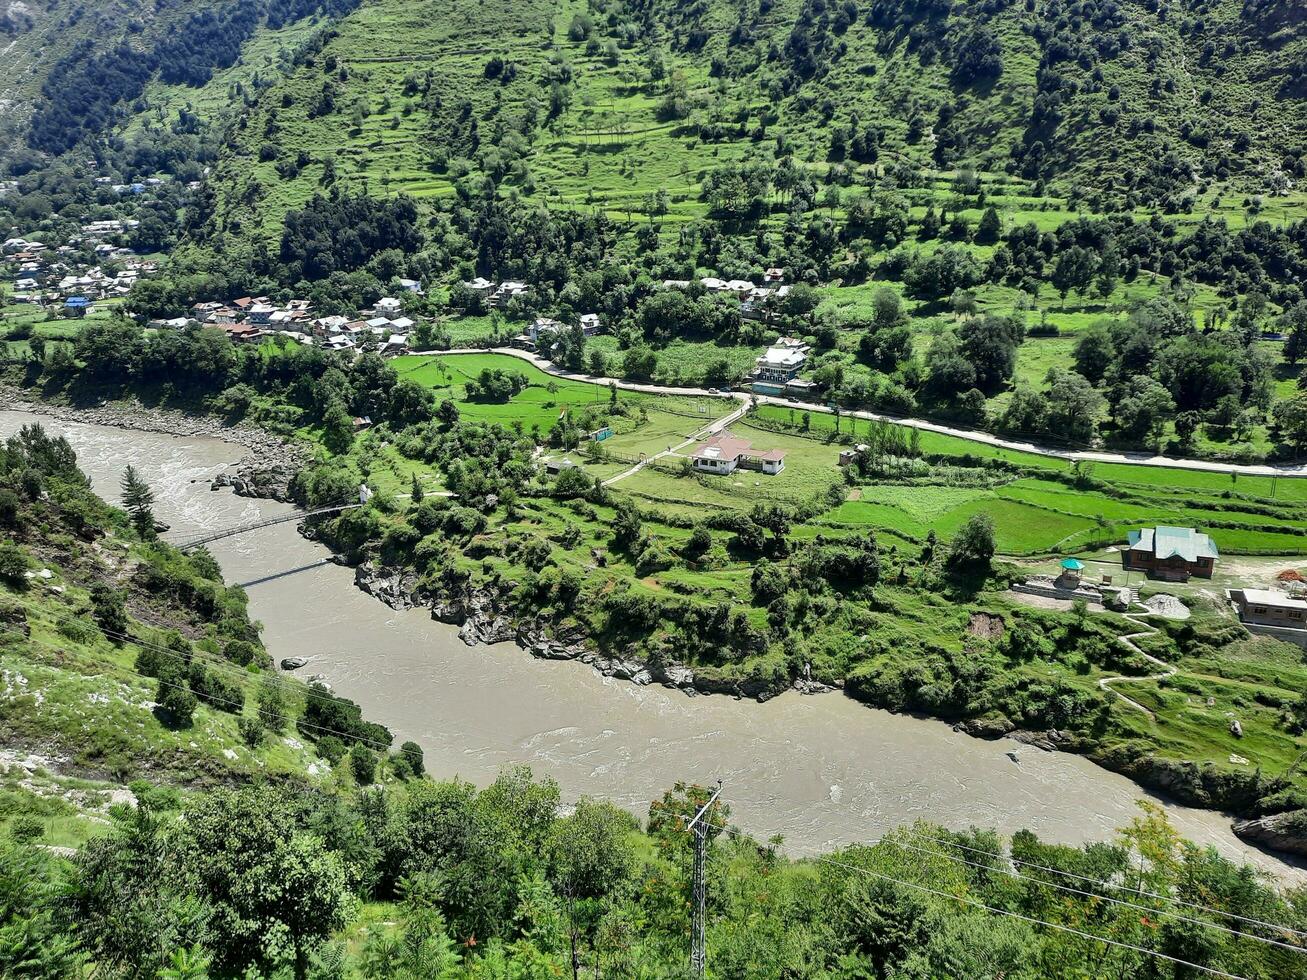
(363, 764)
(252, 732)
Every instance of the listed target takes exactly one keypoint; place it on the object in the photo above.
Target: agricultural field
(1035, 505)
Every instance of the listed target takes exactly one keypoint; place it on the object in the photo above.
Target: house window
(1259, 610)
(1295, 614)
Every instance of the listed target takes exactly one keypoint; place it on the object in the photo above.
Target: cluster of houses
(544, 329)
(1179, 554)
(756, 302)
(62, 277)
(384, 327)
(496, 295)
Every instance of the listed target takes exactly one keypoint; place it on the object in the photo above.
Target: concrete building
(724, 453)
(1266, 607)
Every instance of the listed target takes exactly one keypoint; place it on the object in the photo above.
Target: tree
(990, 227)
(415, 491)
(338, 430)
(1143, 409)
(1074, 270)
(272, 708)
(138, 499)
(1094, 352)
(989, 344)
(590, 861)
(13, 566)
(412, 753)
(31, 942)
(363, 764)
(109, 611)
(1290, 418)
(422, 949)
(1293, 325)
(1073, 406)
(177, 703)
(973, 544)
(276, 890)
(886, 309)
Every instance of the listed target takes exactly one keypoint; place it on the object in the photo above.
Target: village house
(782, 361)
(410, 286)
(589, 324)
(388, 306)
(1266, 607)
(506, 291)
(241, 332)
(173, 323)
(480, 286)
(260, 314)
(773, 276)
(724, 454)
(847, 456)
(1172, 554)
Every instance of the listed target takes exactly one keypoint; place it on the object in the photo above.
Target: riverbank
(266, 469)
(820, 771)
(481, 619)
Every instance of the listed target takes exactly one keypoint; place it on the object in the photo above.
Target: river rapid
(820, 770)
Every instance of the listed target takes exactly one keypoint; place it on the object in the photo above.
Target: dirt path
(1128, 640)
(711, 429)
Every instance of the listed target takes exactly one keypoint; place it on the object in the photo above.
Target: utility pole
(699, 827)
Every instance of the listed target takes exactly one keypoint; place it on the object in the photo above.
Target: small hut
(1072, 571)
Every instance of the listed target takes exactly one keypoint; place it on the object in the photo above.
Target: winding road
(986, 438)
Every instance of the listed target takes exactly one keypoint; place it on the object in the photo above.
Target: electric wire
(976, 903)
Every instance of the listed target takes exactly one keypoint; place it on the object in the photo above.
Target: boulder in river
(293, 663)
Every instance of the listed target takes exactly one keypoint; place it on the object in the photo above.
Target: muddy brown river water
(822, 771)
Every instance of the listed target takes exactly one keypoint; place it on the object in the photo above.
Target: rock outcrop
(1280, 832)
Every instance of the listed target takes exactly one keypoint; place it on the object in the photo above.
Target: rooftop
(1269, 597)
(1170, 542)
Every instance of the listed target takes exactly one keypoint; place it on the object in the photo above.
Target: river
(820, 770)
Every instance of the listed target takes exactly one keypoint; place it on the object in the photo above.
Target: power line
(1213, 971)
(1108, 884)
(1104, 898)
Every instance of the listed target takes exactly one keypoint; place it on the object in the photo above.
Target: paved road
(1088, 455)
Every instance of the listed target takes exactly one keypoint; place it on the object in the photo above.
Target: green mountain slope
(70, 73)
(1122, 104)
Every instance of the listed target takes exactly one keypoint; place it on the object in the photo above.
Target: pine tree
(416, 493)
(138, 500)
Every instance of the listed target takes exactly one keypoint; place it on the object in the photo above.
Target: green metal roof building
(1171, 553)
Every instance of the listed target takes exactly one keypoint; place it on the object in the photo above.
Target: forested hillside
(72, 71)
(1119, 104)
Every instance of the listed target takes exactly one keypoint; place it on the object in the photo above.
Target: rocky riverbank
(1285, 832)
(266, 470)
(479, 620)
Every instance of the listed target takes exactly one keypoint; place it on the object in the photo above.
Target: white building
(724, 453)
